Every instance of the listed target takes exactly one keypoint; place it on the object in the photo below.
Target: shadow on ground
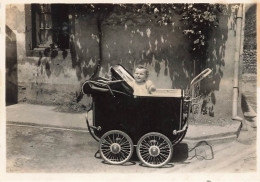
(244, 104)
(202, 150)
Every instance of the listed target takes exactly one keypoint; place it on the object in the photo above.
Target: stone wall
(250, 52)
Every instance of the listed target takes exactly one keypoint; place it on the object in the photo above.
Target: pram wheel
(116, 147)
(154, 149)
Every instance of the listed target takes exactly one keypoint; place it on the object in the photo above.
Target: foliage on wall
(201, 20)
(198, 19)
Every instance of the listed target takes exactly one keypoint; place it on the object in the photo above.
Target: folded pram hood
(118, 84)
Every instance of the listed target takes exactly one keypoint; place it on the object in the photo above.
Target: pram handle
(200, 77)
(110, 82)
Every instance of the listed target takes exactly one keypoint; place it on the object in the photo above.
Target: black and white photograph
(130, 91)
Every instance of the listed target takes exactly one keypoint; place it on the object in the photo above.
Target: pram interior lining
(120, 73)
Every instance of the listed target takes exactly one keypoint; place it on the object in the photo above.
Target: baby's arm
(150, 86)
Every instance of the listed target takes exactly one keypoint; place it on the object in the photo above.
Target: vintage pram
(151, 123)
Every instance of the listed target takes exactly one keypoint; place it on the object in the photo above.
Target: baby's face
(140, 75)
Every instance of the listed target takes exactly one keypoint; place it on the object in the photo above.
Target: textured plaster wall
(161, 48)
(219, 87)
(164, 50)
(84, 46)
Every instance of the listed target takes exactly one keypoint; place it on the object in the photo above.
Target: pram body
(153, 123)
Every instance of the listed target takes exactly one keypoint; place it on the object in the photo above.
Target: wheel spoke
(165, 147)
(144, 151)
(154, 160)
(105, 145)
(121, 157)
(163, 155)
(148, 142)
(108, 154)
(125, 148)
(123, 140)
(106, 141)
(163, 143)
(148, 158)
(160, 159)
(157, 160)
(157, 141)
(109, 140)
(113, 138)
(124, 153)
(146, 145)
(125, 144)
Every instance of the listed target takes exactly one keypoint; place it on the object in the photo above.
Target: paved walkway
(29, 114)
(44, 115)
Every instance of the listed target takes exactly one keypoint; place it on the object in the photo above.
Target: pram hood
(117, 84)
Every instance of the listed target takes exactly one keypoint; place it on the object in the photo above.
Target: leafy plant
(199, 21)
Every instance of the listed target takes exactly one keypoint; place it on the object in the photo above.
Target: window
(50, 25)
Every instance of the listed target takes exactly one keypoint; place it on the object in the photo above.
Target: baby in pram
(141, 84)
